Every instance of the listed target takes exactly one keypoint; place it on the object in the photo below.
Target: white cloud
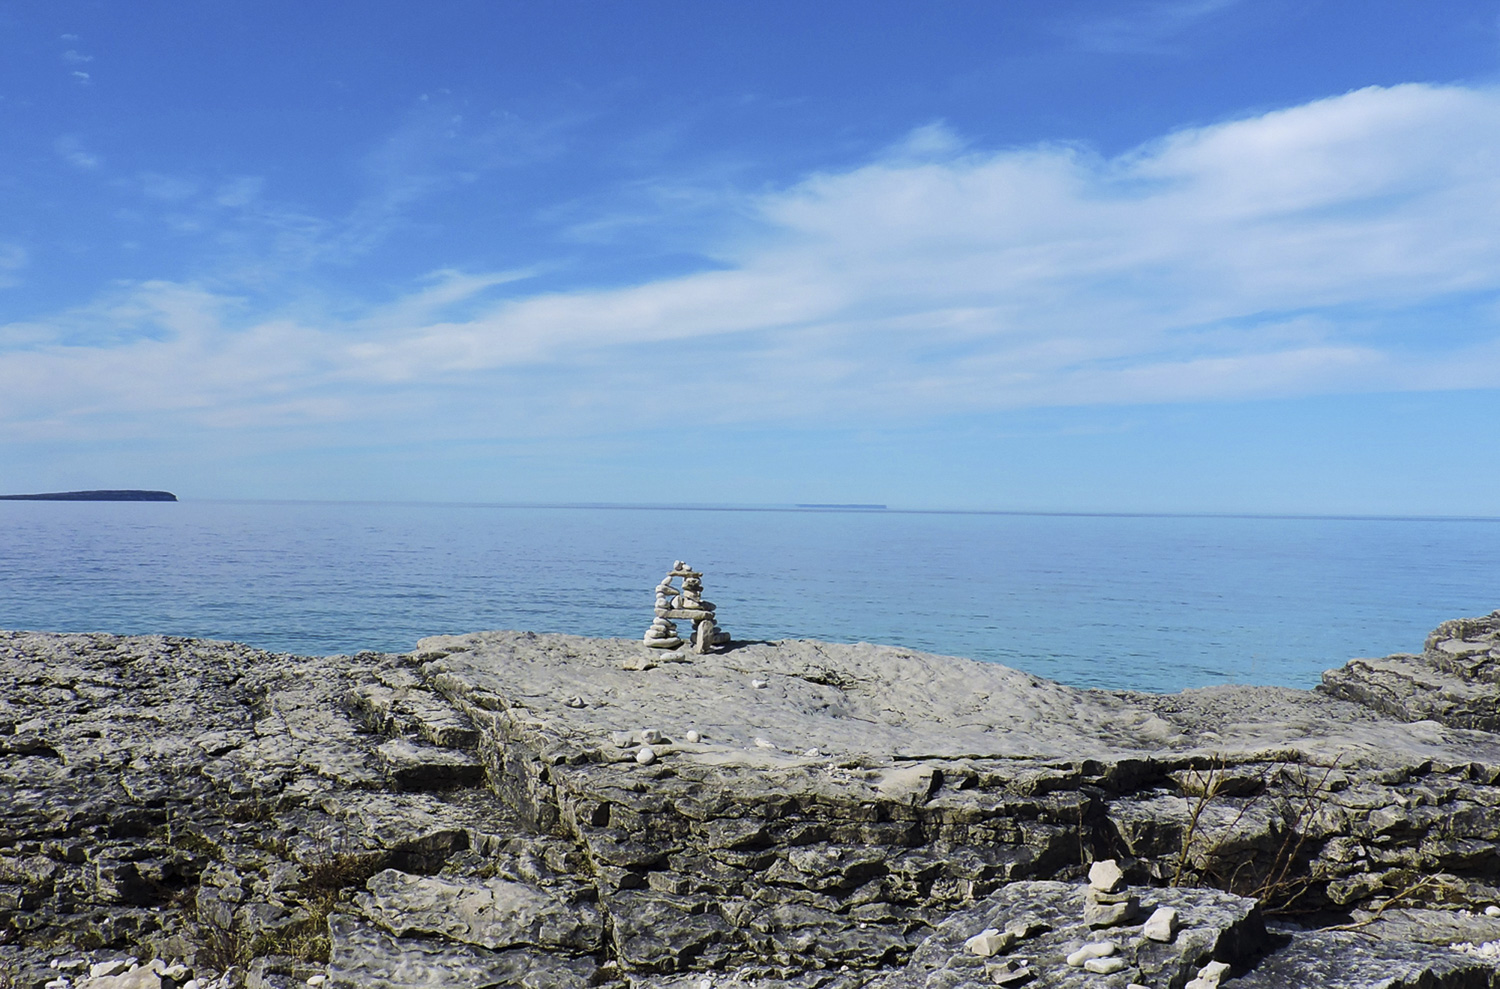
(13, 258)
(1142, 27)
(74, 153)
(1284, 254)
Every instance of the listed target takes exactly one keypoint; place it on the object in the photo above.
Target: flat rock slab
(881, 705)
(362, 956)
(1357, 960)
(489, 913)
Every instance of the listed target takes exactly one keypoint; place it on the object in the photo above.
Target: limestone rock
(1161, 925)
(426, 767)
(362, 956)
(493, 913)
(1105, 876)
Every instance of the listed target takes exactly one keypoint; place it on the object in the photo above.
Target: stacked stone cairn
(674, 604)
(1108, 906)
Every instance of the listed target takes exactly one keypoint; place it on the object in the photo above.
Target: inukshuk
(674, 604)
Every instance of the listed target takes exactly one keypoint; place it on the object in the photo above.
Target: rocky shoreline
(508, 808)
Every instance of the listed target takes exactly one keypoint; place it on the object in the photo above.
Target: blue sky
(1200, 255)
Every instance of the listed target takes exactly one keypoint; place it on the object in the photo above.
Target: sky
(1050, 255)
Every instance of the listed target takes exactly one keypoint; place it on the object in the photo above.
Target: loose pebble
(650, 736)
(765, 743)
(1492, 911)
(1099, 949)
(646, 756)
(988, 942)
(316, 980)
(759, 684)
(575, 702)
(692, 736)
(1161, 925)
(1104, 966)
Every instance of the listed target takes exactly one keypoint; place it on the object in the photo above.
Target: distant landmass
(94, 496)
(865, 507)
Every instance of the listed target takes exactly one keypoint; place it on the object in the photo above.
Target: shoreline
(808, 814)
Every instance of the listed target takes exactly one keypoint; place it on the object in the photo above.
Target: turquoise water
(1152, 603)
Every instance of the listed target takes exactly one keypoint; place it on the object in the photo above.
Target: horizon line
(865, 509)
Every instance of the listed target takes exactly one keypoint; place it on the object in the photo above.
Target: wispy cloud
(1289, 253)
(72, 150)
(13, 258)
(1142, 27)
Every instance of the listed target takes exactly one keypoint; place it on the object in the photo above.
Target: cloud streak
(1288, 253)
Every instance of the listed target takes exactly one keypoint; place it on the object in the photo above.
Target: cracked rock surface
(475, 813)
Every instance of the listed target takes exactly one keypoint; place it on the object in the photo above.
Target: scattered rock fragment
(989, 942)
(1098, 949)
(1161, 925)
(1209, 976)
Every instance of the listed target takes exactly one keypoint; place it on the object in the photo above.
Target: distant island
(94, 496)
(846, 507)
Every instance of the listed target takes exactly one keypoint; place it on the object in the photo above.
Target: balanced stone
(1106, 876)
(685, 603)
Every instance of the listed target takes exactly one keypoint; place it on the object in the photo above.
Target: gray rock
(362, 956)
(491, 913)
(427, 767)
(899, 793)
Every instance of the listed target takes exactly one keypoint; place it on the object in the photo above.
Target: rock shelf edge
(510, 808)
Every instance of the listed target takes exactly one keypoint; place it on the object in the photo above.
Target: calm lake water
(1151, 603)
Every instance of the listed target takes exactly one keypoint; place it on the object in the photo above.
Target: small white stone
(650, 736)
(1105, 875)
(1099, 949)
(575, 702)
(759, 684)
(692, 736)
(1208, 976)
(56, 984)
(646, 756)
(316, 980)
(1492, 911)
(1104, 966)
(1161, 925)
(765, 743)
(99, 970)
(812, 753)
(989, 942)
